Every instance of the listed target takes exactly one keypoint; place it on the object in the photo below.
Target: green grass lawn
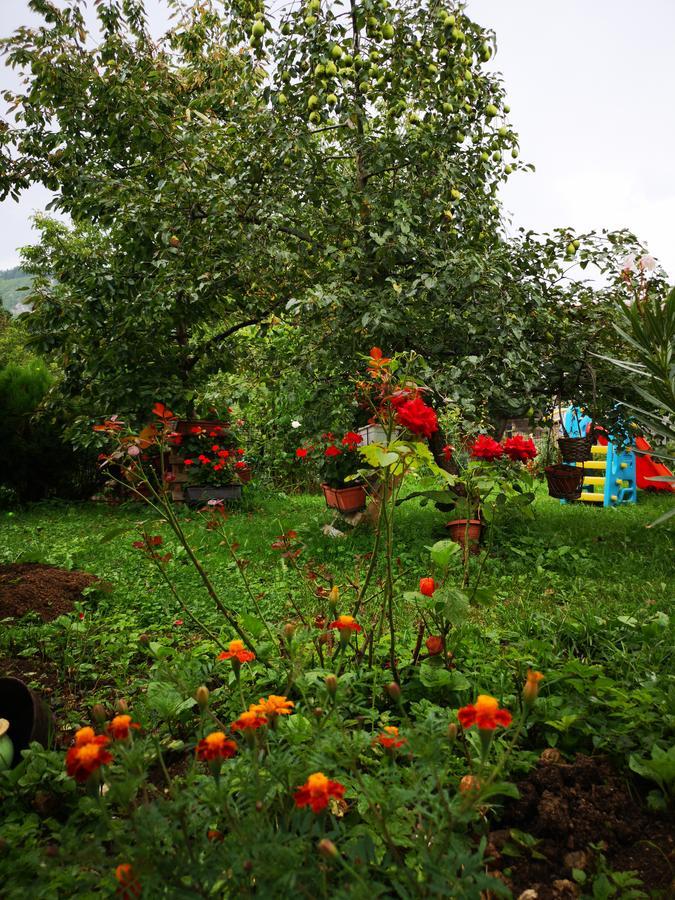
(584, 594)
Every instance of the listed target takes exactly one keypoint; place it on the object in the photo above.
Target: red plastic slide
(646, 467)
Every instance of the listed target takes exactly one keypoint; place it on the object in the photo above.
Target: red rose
(301, 453)
(519, 448)
(485, 447)
(417, 417)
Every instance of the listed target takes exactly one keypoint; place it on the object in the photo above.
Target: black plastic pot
(30, 719)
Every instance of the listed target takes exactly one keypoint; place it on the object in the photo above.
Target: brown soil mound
(45, 590)
(568, 808)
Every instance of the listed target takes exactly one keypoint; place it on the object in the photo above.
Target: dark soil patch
(568, 807)
(45, 590)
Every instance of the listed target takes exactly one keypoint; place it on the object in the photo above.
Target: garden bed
(45, 590)
(579, 817)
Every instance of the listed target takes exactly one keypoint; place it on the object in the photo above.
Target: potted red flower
(338, 462)
(214, 465)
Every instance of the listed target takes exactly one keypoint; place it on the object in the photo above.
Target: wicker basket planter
(564, 482)
(576, 449)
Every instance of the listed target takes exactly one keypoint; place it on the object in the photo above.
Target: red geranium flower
(485, 447)
(188, 462)
(417, 417)
(434, 645)
(352, 439)
(333, 451)
(240, 464)
(317, 791)
(427, 586)
(301, 452)
(215, 447)
(87, 756)
(236, 650)
(485, 713)
(215, 746)
(120, 727)
(448, 450)
(519, 448)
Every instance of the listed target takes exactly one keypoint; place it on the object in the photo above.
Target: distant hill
(10, 282)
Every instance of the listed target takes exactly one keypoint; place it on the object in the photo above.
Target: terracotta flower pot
(30, 719)
(347, 499)
(461, 534)
(244, 475)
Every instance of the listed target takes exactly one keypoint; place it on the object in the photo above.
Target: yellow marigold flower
(274, 705)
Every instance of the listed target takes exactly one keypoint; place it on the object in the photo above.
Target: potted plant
(490, 479)
(338, 462)
(213, 466)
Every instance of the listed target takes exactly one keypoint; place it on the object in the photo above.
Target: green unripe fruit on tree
(577, 244)
(313, 102)
(258, 29)
(286, 28)
(324, 84)
(455, 194)
(336, 51)
(485, 156)
(514, 153)
(315, 117)
(387, 31)
(496, 156)
(443, 54)
(288, 161)
(449, 21)
(258, 15)
(460, 138)
(468, 75)
(319, 70)
(359, 62)
(286, 76)
(571, 249)
(468, 108)
(381, 81)
(310, 20)
(418, 45)
(373, 22)
(374, 55)
(456, 34)
(447, 108)
(432, 69)
(507, 109)
(282, 100)
(331, 69)
(503, 131)
(314, 5)
(491, 110)
(485, 52)
(363, 86)
(508, 169)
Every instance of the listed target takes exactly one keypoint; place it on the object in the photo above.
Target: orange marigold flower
(345, 623)
(485, 713)
(120, 728)
(84, 736)
(434, 645)
(469, 784)
(84, 759)
(531, 689)
(274, 705)
(248, 719)
(215, 746)
(427, 586)
(390, 740)
(236, 650)
(317, 791)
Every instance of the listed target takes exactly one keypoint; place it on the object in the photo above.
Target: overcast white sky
(591, 85)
